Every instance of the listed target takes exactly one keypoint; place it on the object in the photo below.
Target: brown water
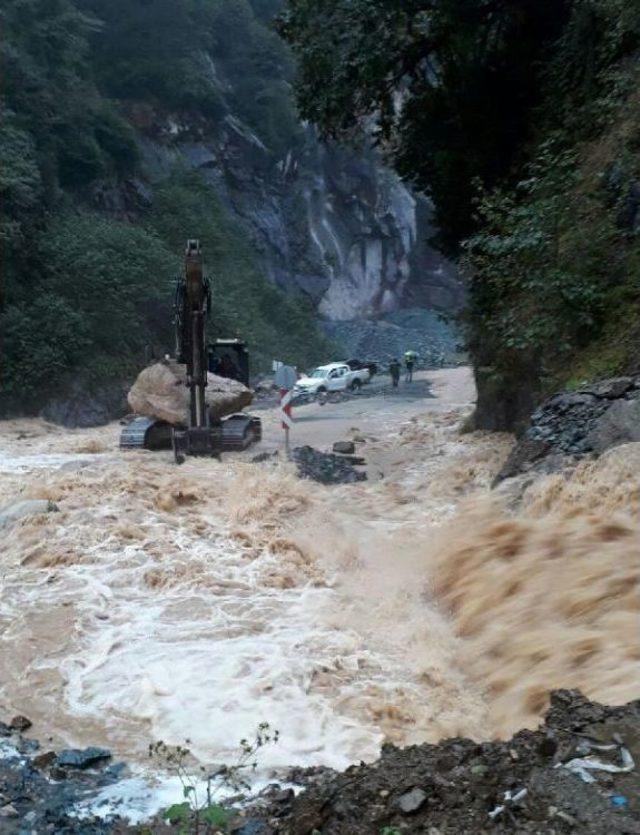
(164, 603)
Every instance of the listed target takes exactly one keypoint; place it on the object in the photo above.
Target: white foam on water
(195, 603)
(12, 464)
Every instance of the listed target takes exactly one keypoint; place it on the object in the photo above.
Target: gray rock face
(10, 513)
(618, 425)
(83, 406)
(336, 226)
(574, 424)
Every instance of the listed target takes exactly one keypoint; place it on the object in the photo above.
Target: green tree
(447, 87)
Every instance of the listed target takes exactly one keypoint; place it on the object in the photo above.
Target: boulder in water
(160, 392)
(10, 513)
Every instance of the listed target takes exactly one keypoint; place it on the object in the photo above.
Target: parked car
(337, 376)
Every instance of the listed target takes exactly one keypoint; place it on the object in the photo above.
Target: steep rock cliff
(332, 223)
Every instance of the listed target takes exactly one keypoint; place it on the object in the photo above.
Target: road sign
(285, 409)
(286, 377)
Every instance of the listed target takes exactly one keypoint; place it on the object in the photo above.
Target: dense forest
(90, 241)
(521, 120)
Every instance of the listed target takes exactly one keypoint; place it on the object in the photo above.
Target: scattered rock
(77, 758)
(45, 760)
(411, 801)
(8, 811)
(13, 511)
(325, 467)
(451, 787)
(20, 723)
(344, 447)
(575, 424)
(160, 392)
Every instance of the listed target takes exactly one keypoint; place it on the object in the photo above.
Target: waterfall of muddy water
(548, 596)
(166, 603)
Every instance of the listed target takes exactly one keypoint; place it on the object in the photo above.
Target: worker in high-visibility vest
(409, 361)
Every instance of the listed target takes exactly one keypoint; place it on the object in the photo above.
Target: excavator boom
(193, 301)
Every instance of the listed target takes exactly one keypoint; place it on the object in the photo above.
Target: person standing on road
(394, 370)
(409, 362)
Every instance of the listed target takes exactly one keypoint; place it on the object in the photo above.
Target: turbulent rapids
(165, 603)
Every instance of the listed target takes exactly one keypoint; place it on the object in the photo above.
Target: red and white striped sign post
(285, 379)
(285, 413)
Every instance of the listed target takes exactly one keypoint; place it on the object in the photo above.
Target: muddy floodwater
(195, 602)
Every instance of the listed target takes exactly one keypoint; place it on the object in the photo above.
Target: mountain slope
(128, 128)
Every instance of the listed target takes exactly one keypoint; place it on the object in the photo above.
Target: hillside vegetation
(88, 255)
(522, 121)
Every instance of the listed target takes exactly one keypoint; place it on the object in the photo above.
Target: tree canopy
(446, 87)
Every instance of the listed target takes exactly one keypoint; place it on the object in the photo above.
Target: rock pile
(527, 784)
(578, 423)
(325, 467)
(40, 790)
(160, 392)
(390, 336)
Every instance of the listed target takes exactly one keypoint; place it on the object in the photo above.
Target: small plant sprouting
(199, 813)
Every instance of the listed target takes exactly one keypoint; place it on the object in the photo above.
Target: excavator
(192, 306)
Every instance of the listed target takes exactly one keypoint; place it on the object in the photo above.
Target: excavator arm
(192, 306)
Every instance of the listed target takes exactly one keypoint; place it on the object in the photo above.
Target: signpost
(285, 378)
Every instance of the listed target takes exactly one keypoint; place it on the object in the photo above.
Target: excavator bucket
(196, 440)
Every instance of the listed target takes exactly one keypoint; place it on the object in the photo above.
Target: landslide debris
(573, 424)
(325, 467)
(460, 786)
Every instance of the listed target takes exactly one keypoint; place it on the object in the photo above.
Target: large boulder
(160, 392)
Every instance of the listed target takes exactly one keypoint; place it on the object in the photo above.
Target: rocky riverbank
(43, 791)
(576, 773)
(574, 424)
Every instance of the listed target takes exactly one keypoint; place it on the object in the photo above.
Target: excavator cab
(229, 358)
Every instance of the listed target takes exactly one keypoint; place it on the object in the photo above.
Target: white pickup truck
(337, 376)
